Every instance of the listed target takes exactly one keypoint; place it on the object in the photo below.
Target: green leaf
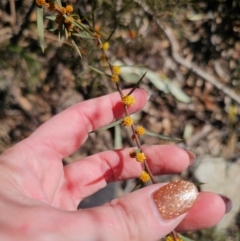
(52, 18)
(129, 77)
(149, 133)
(198, 16)
(108, 126)
(96, 70)
(59, 36)
(178, 93)
(158, 81)
(184, 238)
(199, 184)
(137, 84)
(77, 24)
(117, 137)
(59, 3)
(66, 33)
(138, 185)
(76, 47)
(131, 74)
(83, 35)
(40, 27)
(188, 131)
(52, 29)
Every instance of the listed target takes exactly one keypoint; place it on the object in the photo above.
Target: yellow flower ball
(140, 131)
(69, 8)
(114, 78)
(105, 46)
(171, 238)
(128, 100)
(116, 70)
(63, 10)
(144, 176)
(140, 157)
(40, 3)
(127, 121)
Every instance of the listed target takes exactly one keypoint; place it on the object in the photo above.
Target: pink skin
(39, 196)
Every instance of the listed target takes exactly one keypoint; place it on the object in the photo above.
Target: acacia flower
(128, 100)
(140, 157)
(40, 3)
(69, 8)
(97, 27)
(63, 10)
(103, 59)
(144, 176)
(116, 69)
(171, 238)
(105, 46)
(132, 153)
(114, 78)
(127, 121)
(133, 137)
(140, 131)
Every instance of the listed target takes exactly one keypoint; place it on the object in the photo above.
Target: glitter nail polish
(175, 198)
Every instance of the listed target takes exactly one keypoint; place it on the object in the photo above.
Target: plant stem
(174, 235)
(145, 164)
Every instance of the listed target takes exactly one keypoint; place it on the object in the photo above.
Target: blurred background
(191, 52)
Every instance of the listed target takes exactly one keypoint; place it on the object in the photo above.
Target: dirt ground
(191, 54)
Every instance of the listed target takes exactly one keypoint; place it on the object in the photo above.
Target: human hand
(39, 196)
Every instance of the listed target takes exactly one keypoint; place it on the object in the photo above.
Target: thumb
(147, 214)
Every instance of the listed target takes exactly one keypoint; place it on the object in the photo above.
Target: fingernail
(175, 198)
(192, 156)
(228, 203)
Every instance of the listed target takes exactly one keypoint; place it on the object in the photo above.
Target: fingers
(133, 217)
(207, 211)
(66, 131)
(117, 165)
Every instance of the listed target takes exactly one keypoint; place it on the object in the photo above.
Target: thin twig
(133, 127)
(174, 235)
(137, 84)
(13, 12)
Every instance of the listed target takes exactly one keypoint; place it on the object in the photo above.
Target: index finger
(67, 131)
